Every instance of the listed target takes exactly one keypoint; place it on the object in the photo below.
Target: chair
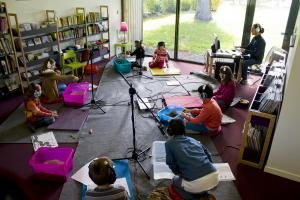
(70, 61)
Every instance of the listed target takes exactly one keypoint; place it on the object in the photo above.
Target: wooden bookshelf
(259, 126)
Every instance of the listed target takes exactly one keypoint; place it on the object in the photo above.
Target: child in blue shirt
(190, 161)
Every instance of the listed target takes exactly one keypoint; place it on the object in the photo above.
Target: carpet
(113, 134)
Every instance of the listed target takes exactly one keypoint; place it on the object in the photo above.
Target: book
(162, 171)
(44, 140)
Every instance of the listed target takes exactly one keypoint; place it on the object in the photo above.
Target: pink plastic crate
(44, 154)
(76, 94)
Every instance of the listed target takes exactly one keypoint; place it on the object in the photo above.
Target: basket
(41, 161)
(122, 65)
(76, 94)
(164, 116)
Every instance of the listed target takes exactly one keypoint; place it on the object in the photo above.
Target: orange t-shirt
(210, 115)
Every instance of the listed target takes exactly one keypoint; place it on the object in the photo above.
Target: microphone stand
(135, 155)
(94, 103)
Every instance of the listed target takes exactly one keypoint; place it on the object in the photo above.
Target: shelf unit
(34, 46)
(9, 69)
(259, 126)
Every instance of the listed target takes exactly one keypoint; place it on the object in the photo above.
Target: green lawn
(194, 36)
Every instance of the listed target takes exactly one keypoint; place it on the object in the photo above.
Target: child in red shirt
(160, 56)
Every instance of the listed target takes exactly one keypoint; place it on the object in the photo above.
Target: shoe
(244, 82)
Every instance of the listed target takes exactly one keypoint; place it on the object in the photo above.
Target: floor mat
(70, 119)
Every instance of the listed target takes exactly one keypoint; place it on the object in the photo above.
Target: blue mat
(122, 170)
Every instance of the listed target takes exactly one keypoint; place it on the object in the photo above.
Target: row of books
(32, 41)
(3, 25)
(7, 66)
(73, 33)
(272, 97)
(255, 137)
(30, 57)
(71, 20)
(93, 17)
(5, 46)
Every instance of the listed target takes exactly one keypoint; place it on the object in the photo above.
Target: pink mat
(184, 101)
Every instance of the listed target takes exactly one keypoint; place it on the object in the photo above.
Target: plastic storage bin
(164, 114)
(76, 94)
(122, 65)
(45, 161)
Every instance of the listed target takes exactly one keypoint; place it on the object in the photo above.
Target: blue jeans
(245, 66)
(201, 128)
(43, 121)
(176, 182)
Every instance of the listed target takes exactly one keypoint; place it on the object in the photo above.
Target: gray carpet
(112, 132)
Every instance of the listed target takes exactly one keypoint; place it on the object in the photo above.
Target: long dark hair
(227, 72)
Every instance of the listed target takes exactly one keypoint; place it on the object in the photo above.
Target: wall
(34, 11)
(284, 157)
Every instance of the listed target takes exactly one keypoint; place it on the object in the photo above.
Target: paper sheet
(44, 140)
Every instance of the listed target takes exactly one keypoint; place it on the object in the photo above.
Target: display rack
(261, 118)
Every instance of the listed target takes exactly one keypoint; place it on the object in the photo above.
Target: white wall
(34, 11)
(284, 158)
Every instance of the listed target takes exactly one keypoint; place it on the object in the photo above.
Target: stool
(173, 194)
(123, 46)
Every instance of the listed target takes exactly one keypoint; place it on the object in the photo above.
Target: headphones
(49, 65)
(102, 165)
(203, 94)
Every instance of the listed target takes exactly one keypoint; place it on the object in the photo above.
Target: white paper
(44, 140)
(82, 176)
(162, 171)
(227, 120)
(142, 105)
(171, 83)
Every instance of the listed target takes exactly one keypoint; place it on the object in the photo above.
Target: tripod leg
(148, 177)
(99, 107)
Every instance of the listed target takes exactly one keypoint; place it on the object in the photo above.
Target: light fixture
(124, 29)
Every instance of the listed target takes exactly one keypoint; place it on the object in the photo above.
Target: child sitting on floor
(226, 92)
(102, 173)
(160, 56)
(139, 53)
(206, 120)
(36, 115)
(50, 78)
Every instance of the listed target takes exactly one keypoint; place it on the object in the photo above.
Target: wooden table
(222, 56)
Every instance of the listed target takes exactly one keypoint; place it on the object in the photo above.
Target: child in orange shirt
(37, 115)
(208, 118)
(160, 56)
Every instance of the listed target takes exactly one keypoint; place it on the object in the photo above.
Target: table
(123, 46)
(224, 56)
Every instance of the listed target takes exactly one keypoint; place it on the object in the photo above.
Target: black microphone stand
(94, 103)
(137, 153)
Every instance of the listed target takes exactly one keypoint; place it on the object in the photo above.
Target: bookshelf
(261, 118)
(34, 45)
(9, 69)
